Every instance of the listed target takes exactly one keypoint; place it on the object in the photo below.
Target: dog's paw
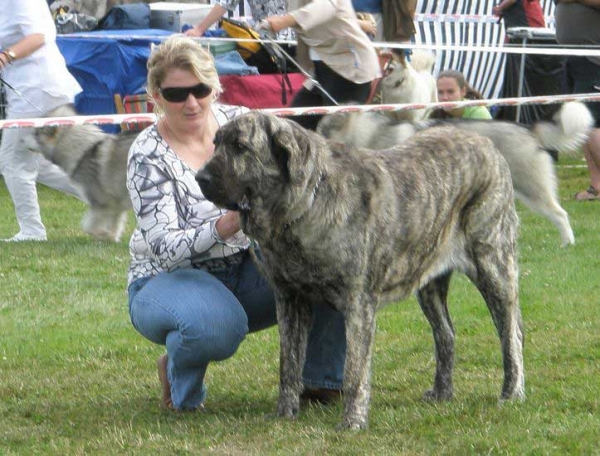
(355, 424)
(435, 395)
(288, 412)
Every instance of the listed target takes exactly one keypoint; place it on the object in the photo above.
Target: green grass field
(76, 378)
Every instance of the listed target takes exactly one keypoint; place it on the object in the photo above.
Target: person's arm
(310, 15)
(502, 6)
(278, 23)
(21, 49)
(213, 16)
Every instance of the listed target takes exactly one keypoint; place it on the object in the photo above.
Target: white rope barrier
(500, 48)
(115, 119)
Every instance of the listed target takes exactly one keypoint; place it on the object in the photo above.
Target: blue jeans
(203, 317)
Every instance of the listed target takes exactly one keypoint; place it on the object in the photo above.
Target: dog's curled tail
(568, 130)
(422, 60)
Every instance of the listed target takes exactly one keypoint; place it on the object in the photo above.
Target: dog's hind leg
(534, 182)
(360, 333)
(294, 319)
(547, 204)
(497, 281)
(433, 301)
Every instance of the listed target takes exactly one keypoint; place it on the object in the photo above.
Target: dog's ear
(400, 56)
(291, 148)
(48, 132)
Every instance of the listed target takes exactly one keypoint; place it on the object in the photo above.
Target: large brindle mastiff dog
(358, 229)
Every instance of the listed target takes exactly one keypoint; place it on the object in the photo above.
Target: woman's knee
(205, 316)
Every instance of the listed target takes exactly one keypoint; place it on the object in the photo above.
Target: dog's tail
(569, 129)
(422, 60)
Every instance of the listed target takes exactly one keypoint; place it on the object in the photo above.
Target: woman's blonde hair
(183, 53)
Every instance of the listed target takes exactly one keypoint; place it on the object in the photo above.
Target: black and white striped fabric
(467, 22)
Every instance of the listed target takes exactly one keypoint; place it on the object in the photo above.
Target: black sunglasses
(180, 94)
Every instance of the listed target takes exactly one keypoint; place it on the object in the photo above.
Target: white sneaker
(20, 237)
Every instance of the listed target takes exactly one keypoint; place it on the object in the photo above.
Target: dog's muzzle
(210, 190)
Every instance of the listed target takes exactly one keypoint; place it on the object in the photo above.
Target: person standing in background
(520, 13)
(399, 20)
(541, 74)
(578, 23)
(334, 49)
(32, 64)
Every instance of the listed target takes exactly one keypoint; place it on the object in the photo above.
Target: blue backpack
(126, 17)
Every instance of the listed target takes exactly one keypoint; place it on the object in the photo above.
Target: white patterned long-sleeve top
(175, 223)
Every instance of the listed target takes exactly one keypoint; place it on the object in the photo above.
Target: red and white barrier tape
(115, 119)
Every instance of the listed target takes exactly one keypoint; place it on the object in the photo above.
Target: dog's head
(261, 163)
(395, 73)
(44, 139)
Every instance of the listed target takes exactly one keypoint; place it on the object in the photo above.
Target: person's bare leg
(591, 152)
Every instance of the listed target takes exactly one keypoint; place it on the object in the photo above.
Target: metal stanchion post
(527, 33)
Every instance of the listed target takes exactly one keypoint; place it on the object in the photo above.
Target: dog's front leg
(293, 317)
(360, 332)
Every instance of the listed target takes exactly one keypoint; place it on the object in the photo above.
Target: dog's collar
(399, 83)
(321, 178)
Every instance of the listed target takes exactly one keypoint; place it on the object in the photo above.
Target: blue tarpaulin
(107, 62)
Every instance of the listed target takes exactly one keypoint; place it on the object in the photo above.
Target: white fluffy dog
(410, 82)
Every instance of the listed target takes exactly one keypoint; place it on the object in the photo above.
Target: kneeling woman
(192, 284)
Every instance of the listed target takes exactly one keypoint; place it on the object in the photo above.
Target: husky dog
(96, 162)
(356, 229)
(409, 82)
(524, 148)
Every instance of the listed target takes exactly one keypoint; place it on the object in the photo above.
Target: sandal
(167, 401)
(161, 363)
(591, 194)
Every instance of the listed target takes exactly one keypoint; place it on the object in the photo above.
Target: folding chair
(133, 104)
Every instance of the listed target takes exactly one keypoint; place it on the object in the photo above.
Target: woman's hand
(369, 27)
(195, 31)
(228, 225)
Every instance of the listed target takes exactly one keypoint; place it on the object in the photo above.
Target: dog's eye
(242, 147)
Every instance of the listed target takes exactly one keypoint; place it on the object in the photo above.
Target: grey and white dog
(357, 229)
(524, 148)
(96, 162)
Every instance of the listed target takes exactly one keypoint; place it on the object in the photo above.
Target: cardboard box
(174, 16)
